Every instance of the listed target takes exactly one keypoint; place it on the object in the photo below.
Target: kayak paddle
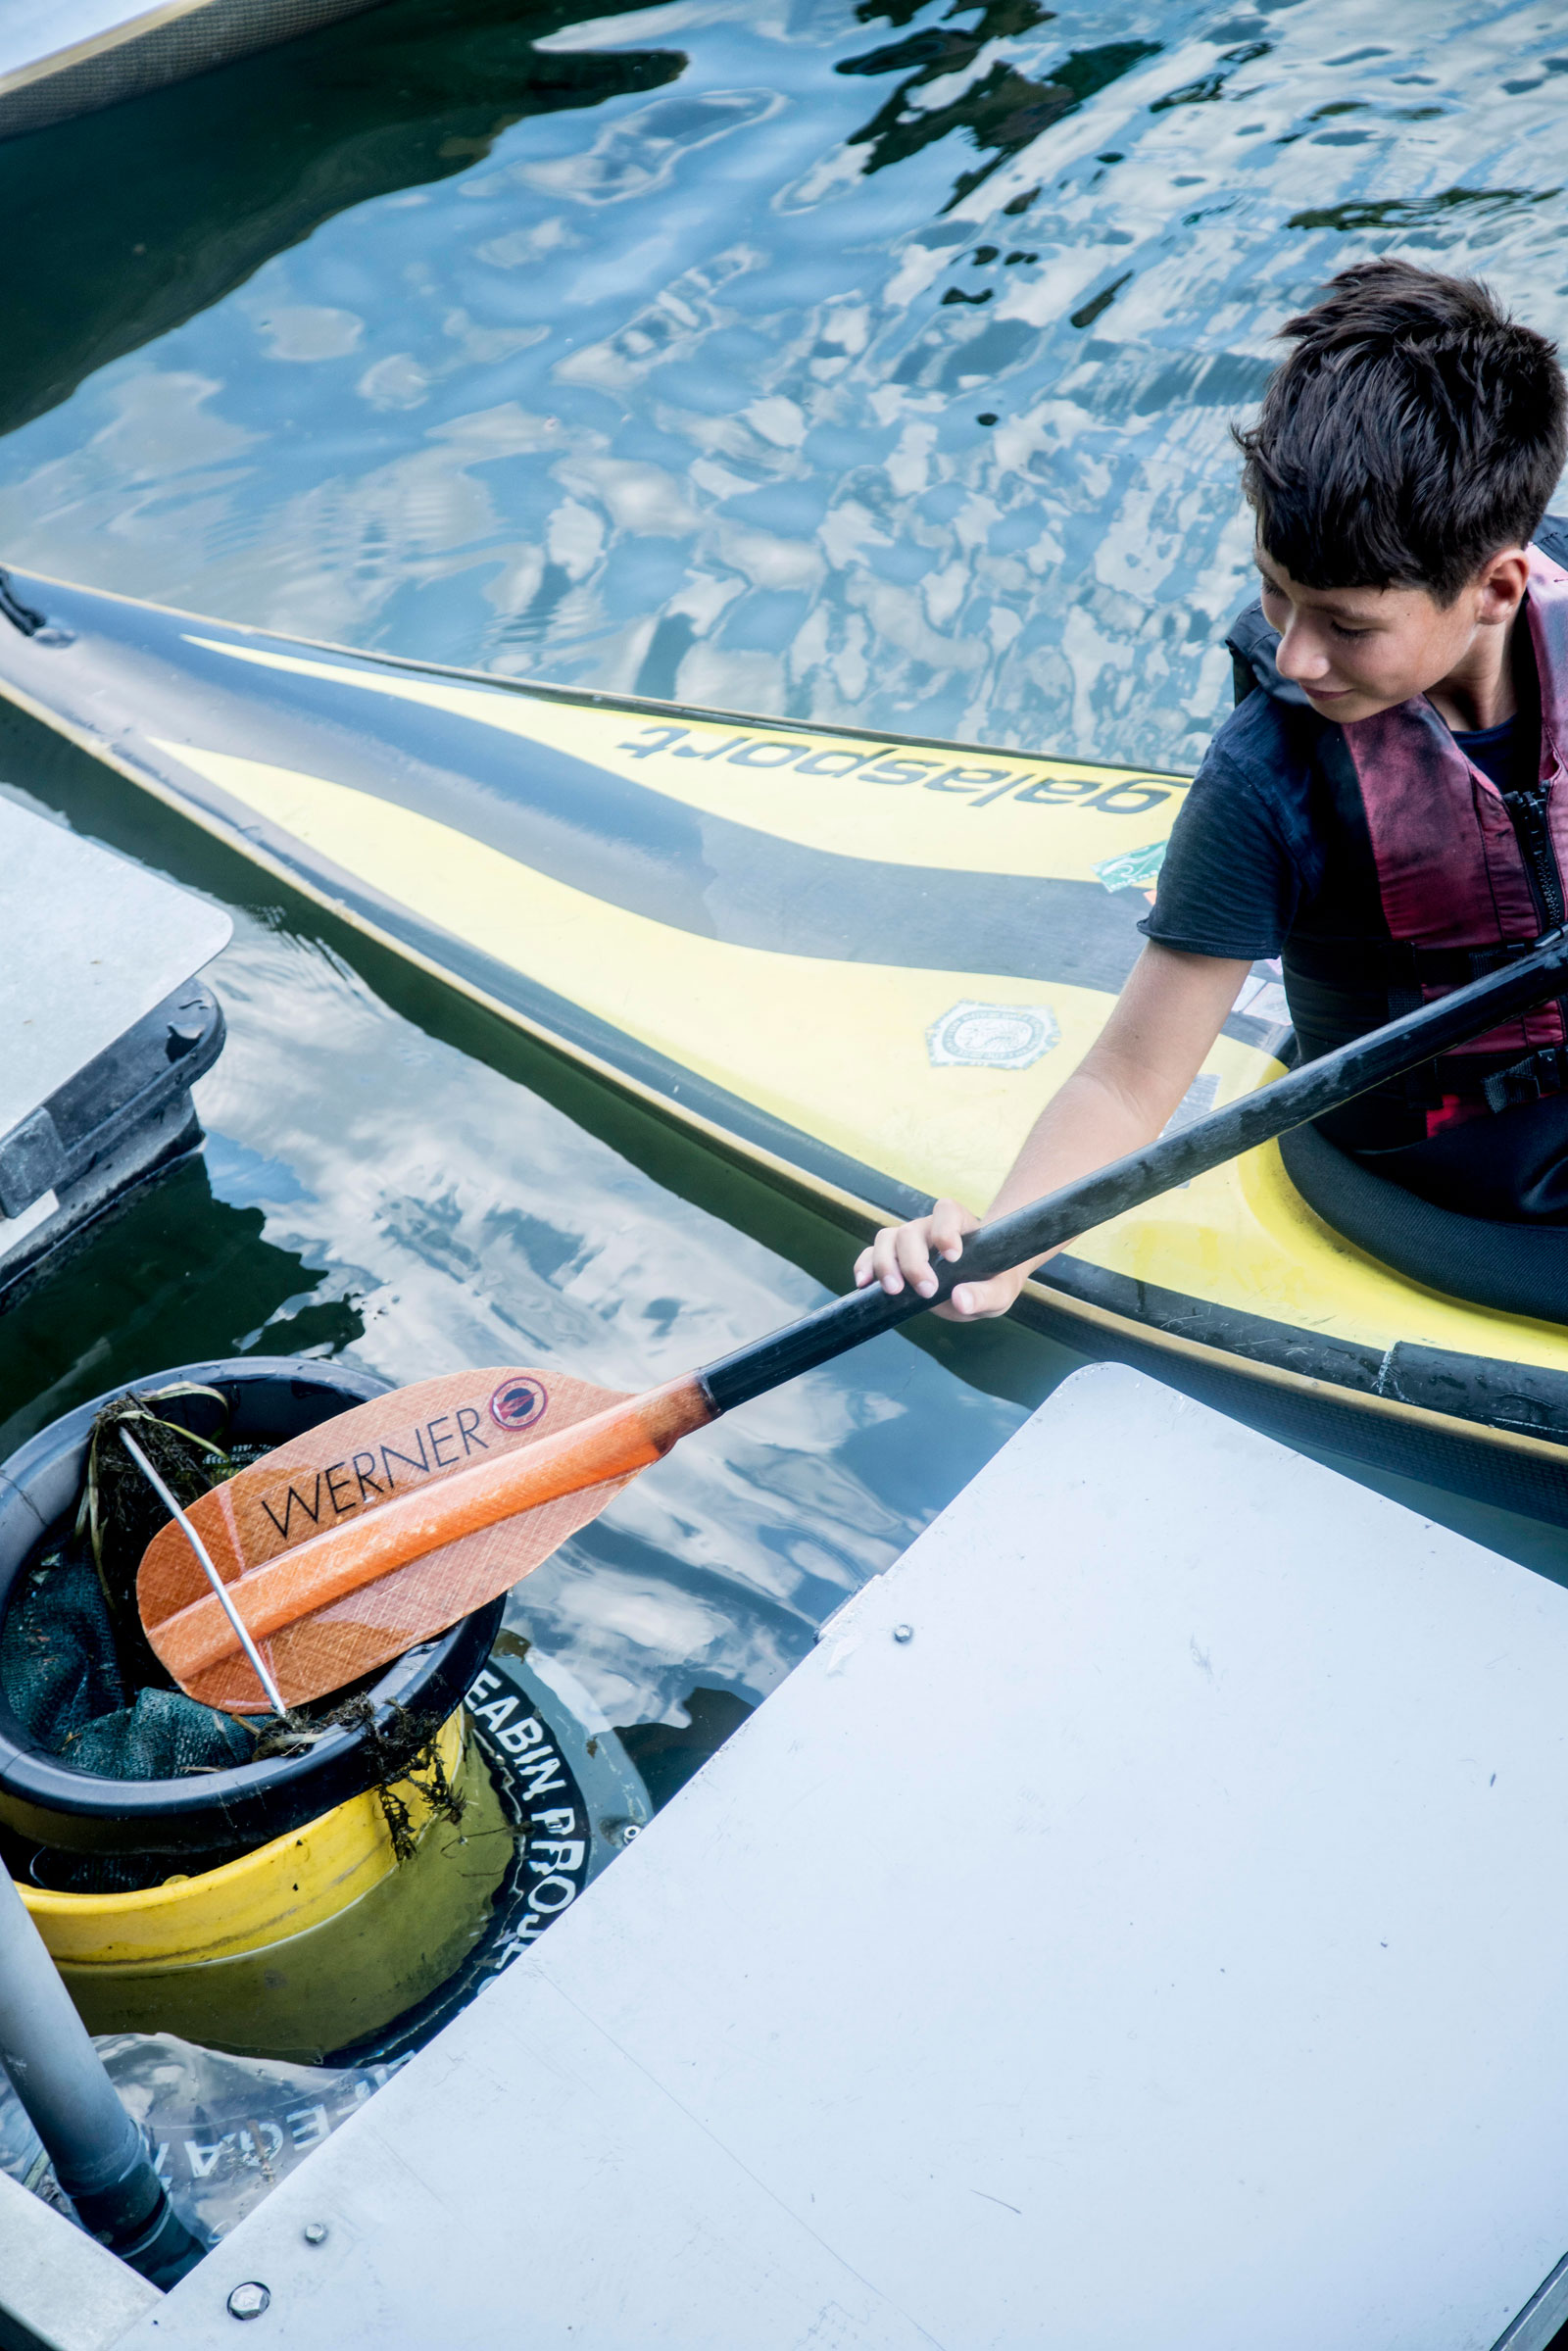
(385, 1525)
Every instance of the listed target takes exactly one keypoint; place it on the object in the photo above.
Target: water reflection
(469, 1223)
(1001, 110)
(381, 1181)
(868, 364)
(125, 224)
(178, 1275)
(704, 375)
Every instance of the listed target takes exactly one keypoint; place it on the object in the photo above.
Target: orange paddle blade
(386, 1524)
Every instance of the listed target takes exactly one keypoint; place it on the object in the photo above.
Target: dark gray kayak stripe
(637, 849)
(596, 832)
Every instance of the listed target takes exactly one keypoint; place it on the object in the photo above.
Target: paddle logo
(518, 1403)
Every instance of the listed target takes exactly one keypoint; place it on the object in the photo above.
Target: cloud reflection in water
(469, 1222)
(674, 384)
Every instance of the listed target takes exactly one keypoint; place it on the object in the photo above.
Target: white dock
(103, 1027)
(1141, 1921)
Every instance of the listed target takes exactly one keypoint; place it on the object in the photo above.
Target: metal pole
(100, 2156)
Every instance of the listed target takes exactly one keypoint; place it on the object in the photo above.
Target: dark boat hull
(99, 56)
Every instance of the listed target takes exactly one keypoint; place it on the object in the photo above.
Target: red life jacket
(1468, 877)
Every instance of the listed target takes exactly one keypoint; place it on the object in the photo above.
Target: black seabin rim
(43, 1799)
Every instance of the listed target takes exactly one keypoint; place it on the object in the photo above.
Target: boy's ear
(1500, 583)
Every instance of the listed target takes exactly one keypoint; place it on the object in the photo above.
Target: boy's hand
(901, 1257)
(1116, 1100)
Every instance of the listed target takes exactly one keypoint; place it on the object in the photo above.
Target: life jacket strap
(1531, 1080)
(1406, 970)
(1406, 975)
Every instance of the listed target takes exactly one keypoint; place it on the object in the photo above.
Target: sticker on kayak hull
(1134, 869)
(976, 1036)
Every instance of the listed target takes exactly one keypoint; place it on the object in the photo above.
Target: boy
(1385, 809)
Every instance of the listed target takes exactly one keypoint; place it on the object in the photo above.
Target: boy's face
(1357, 651)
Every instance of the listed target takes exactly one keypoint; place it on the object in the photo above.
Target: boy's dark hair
(1415, 432)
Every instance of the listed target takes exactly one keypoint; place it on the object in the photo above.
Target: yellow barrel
(305, 1944)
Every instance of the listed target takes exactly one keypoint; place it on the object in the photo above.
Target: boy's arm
(1117, 1100)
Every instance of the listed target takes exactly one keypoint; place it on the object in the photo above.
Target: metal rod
(100, 2156)
(273, 1696)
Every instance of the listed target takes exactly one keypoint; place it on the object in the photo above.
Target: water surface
(394, 1176)
(872, 362)
(860, 362)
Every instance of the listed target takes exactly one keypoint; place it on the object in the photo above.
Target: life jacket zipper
(1527, 811)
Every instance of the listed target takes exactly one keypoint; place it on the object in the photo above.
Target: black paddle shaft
(1319, 1086)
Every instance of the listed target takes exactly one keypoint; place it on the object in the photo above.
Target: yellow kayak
(857, 962)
